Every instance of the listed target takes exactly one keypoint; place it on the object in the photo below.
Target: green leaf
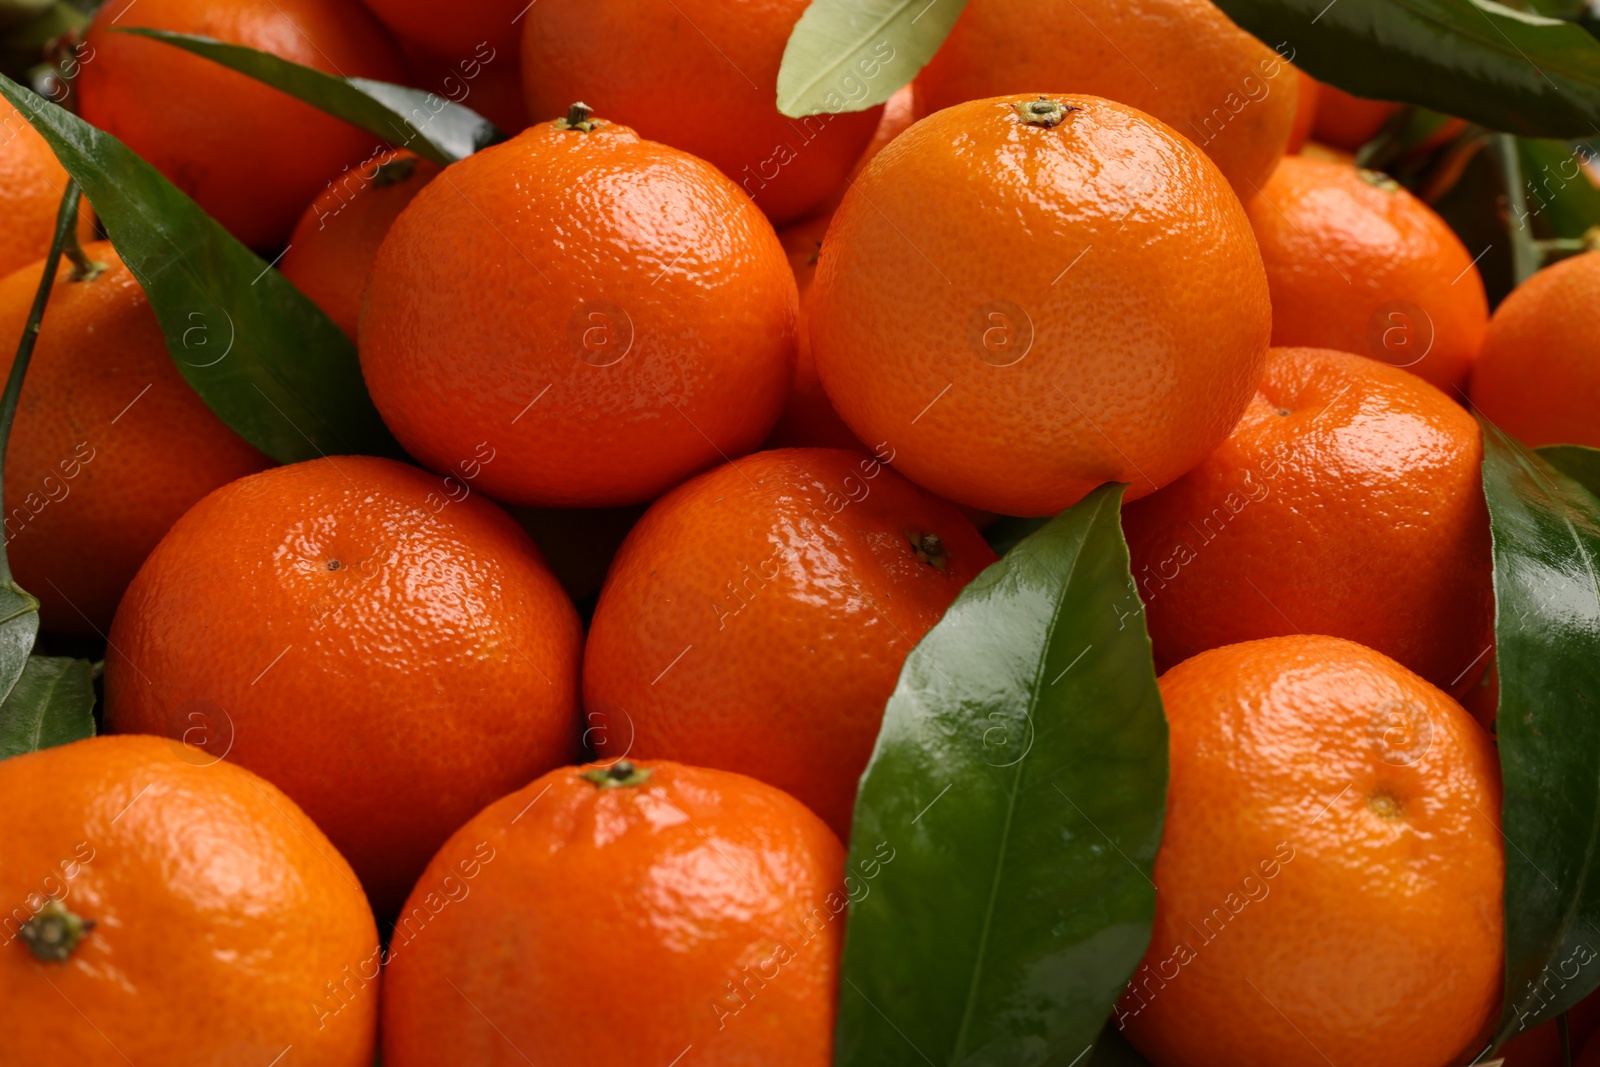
(1506, 69)
(424, 122)
(1560, 195)
(1008, 821)
(1580, 464)
(52, 704)
(849, 55)
(1546, 531)
(260, 354)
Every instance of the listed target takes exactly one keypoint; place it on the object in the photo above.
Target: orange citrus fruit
(756, 619)
(1054, 293)
(607, 313)
(390, 655)
(700, 75)
(459, 32)
(110, 445)
(1348, 501)
(32, 184)
(1357, 263)
(808, 419)
(331, 251)
(1305, 111)
(1328, 888)
(165, 908)
(1346, 121)
(1538, 373)
(484, 79)
(622, 915)
(252, 156)
(1182, 61)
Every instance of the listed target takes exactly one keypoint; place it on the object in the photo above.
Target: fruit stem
(619, 774)
(66, 227)
(1043, 111)
(580, 117)
(53, 932)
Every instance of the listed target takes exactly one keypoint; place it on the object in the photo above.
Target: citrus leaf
(1510, 70)
(1546, 532)
(849, 55)
(1560, 194)
(52, 704)
(426, 123)
(999, 867)
(266, 359)
(1580, 464)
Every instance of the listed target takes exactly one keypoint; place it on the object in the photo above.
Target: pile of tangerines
(376, 770)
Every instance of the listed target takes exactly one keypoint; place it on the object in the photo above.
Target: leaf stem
(66, 226)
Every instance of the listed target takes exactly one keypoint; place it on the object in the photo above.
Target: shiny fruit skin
(1357, 263)
(1346, 121)
(455, 32)
(757, 617)
(608, 313)
(252, 156)
(331, 252)
(220, 913)
(808, 419)
(1225, 91)
(569, 923)
(110, 445)
(1538, 372)
(390, 657)
(1349, 502)
(1328, 885)
(702, 76)
(32, 184)
(1109, 238)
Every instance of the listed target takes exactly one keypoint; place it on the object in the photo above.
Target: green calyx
(930, 549)
(54, 932)
(620, 774)
(1043, 111)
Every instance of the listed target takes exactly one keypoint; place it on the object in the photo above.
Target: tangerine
(1054, 292)
(1349, 502)
(1328, 888)
(110, 446)
(32, 183)
(1538, 373)
(1219, 87)
(702, 76)
(715, 904)
(757, 616)
(1357, 263)
(251, 156)
(461, 32)
(1305, 112)
(1346, 121)
(331, 251)
(390, 654)
(608, 313)
(165, 908)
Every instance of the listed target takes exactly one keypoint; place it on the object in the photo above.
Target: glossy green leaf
(52, 704)
(848, 55)
(424, 122)
(1580, 464)
(999, 866)
(1546, 531)
(1506, 69)
(263, 356)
